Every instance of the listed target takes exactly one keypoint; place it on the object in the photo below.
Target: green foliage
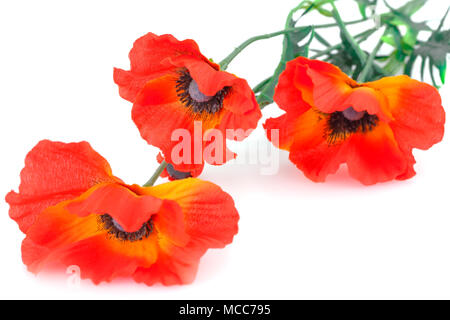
(401, 33)
(434, 51)
(364, 5)
(291, 50)
(310, 5)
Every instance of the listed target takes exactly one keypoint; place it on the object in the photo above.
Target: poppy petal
(287, 96)
(311, 152)
(61, 238)
(54, 172)
(375, 156)
(130, 84)
(177, 267)
(128, 209)
(211, 221)
(150, 113)
(151, 50)
(416, 108)
(209, 212)
(286, 126)
(150, 59)
(323, 85)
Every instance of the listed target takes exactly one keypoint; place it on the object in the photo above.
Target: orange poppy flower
(331, 119)
(172, 85)
(172, 173)
(75, 212)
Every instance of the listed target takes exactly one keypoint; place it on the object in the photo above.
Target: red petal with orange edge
(416, 108)
(375, 156)
(209, 212)
(170, 224)
(130, 210)
(311, 152)
(211, 221)
(59, 238)
(54, 172)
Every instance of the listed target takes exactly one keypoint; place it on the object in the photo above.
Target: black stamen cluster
(206, 108)
(106, 222)
(339, 127)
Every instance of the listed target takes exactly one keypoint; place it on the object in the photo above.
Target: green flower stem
(225, 62)
(261, 85)
(262, 101)
(369, 63)
(156, 175)
(330, 25)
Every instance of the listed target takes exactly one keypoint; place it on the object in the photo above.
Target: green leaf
(303, 51)
(412, 7)
(322, 40)
(422, 69)
(442, 71)
(430, 67)
(348, 41)
(317, 5)
(402, 17)
(394, 63)
(343, 60)
(436, 49)
(293, 50)
(364, 5)
(409, 65)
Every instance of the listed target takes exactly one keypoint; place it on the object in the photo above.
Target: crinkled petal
(54, 172)
(416, 107)
(166, 123)
(150, 58)
(375, 156)
(310, 150)
(59, 238)
(211, 222)
(130, 210)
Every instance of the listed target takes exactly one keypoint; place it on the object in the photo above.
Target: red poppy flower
(172, 85)
(330, 119)
(74, 212)
(172, 173)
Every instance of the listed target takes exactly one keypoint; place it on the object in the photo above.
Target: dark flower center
(177, 175)
(115, 229)
(198, 102)
(343, 123)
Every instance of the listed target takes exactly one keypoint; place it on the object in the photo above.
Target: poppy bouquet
(355, 106)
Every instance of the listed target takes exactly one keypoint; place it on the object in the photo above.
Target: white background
(297, 239)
